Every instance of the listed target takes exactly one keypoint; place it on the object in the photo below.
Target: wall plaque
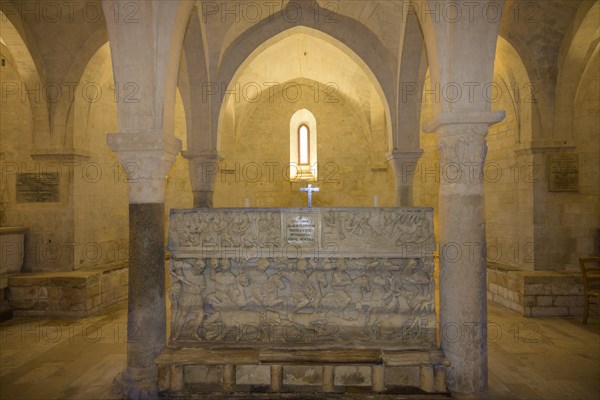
(38, 187)
(300, 229)
(563, 172)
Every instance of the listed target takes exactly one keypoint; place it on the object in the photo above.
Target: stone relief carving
(300, 300)
(462, 151)
(385, 229)
(225, 229)
(187, 295)
(368, 291)
(361, 231)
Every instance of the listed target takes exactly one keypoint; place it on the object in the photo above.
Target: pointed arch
(31, 73)
(347, 34)
(61, 113)
(220, 106)
(509, 66)
(577, 52)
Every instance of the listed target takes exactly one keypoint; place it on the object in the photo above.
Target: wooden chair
(591, 274)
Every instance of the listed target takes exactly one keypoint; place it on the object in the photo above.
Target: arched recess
(320, 36)
(90, 91)
(31, 73)
(61, 112)
(347, 34)
(576, 53)
(536, 88)
(509, 67)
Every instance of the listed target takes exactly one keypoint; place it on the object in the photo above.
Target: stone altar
(333, 279)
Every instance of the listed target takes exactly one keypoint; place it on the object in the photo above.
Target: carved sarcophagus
(355, 277)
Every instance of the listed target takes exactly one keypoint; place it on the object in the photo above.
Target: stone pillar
(146, 158)
(463, 311)
(204, 169)
(378, 378)
(404, 164)
(426, 382)
(229, 377)
(328, 378)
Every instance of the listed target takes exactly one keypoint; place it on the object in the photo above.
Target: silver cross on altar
(310, 191)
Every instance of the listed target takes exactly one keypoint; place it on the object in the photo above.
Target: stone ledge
(536, 293)
(70, 294)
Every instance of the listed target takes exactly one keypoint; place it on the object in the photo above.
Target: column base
(137, 383)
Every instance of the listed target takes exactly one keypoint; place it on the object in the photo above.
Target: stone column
(146, 158)
(463, 311)
(204, 169)
(404, 164)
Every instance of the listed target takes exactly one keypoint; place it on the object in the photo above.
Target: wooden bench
(432, 365)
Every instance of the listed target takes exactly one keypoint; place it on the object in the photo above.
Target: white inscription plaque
(300, 229)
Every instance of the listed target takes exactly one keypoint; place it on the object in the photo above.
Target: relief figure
(190, 299)
(226, 285)
(338, 298)
(264, 287)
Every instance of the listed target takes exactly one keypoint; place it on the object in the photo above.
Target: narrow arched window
(303, 146)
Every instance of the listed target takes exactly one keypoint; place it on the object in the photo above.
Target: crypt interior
(152, 156)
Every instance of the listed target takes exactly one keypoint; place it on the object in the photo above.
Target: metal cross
(310, 191)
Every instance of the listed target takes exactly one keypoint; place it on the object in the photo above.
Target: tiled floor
(542, 358)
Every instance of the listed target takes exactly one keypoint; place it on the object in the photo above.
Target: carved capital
(146, 158)
(462, 148)
(404, 164)
(461, 159)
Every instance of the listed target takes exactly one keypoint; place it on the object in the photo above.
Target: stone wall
(75, 294)
(88, 225)
(49, 223)
(508, 182)
(351, 147)
(568, 223)
(527, 225)
(99, 193)
(536, 293)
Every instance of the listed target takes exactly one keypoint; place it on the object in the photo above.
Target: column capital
(461, 119)
(146, 158)
(404, 164)
(204, 167)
